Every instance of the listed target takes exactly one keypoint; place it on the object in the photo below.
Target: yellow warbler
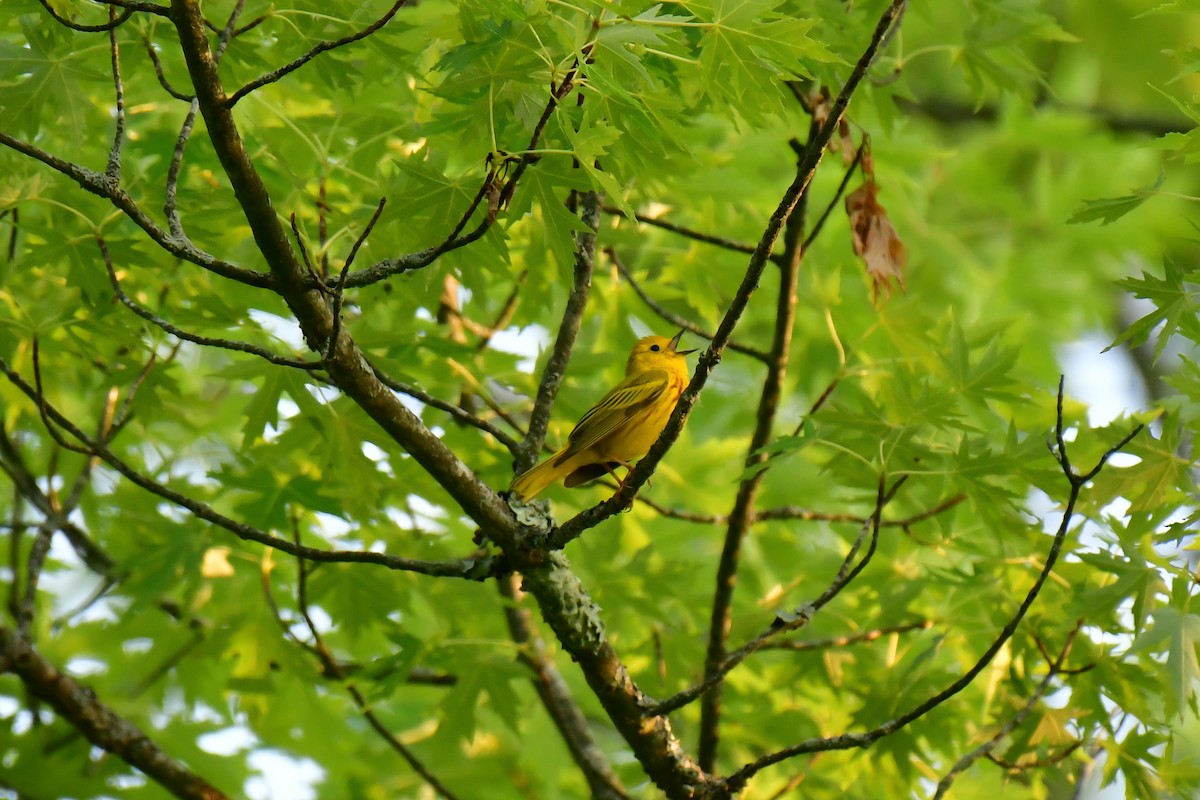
(623, 425)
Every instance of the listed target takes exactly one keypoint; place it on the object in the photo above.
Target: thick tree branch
(78, 706)
(708, 361)
(346, 365)
(556, 697)
(563, 601)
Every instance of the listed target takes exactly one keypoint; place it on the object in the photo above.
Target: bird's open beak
(675, 343)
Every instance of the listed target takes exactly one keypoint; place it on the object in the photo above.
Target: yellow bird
(623, 425)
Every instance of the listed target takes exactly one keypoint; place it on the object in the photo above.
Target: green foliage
(990, 124)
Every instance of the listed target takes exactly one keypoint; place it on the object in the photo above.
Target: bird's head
(657, 352)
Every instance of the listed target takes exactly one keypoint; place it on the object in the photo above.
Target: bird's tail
(528, 484)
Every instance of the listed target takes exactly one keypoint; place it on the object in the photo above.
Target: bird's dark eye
(655, 348)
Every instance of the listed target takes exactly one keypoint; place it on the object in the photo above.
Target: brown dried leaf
(875, 240)
(845, 142)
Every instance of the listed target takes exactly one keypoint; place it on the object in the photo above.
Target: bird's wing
(625, 400)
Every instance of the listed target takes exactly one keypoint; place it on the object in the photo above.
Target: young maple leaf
(875, 240)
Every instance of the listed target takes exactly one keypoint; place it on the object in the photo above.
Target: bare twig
(1036, 763)
(834, 201)
(699, 236)
(854, 638)
(847, 572)
(857, 740)
(100, 185)
(113, 170)
(564, 342)
(187, 336)
(113, 23)
(498, 196)
(322, 47)
(332, 667)
(340, 288)
(162, 76)
(138, 5)
(459, 414)
(673, 318)
(986, 748)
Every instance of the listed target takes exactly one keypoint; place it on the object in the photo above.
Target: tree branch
(564, 341)
(556, 698)
(699, 236)
(673, 318)
(78, 706)
(470, 568)
(187, 336)
(113, 23)
(591, 517)
(986, 748)
(331, 667)
(322, 47)
(741, 516)
(101, 185)
(848, 741)
(498, 196)
(797, 619)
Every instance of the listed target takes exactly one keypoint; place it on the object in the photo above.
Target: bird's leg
(628, 471)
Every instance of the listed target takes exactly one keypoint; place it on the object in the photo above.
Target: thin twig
(33, 573)
(340, 289)
(497, 196)
(156, 62)
(858, 740)
(112, 24)
(113, 170)
(834, 202)
(699, 236)
(564, 341)
(847, 572)
(321, 47)
(672, 317)
(332, 667)
(138, 5)
(180, 333)
(100, 185)
(460, 414)
(986, 748)
(849, 639)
